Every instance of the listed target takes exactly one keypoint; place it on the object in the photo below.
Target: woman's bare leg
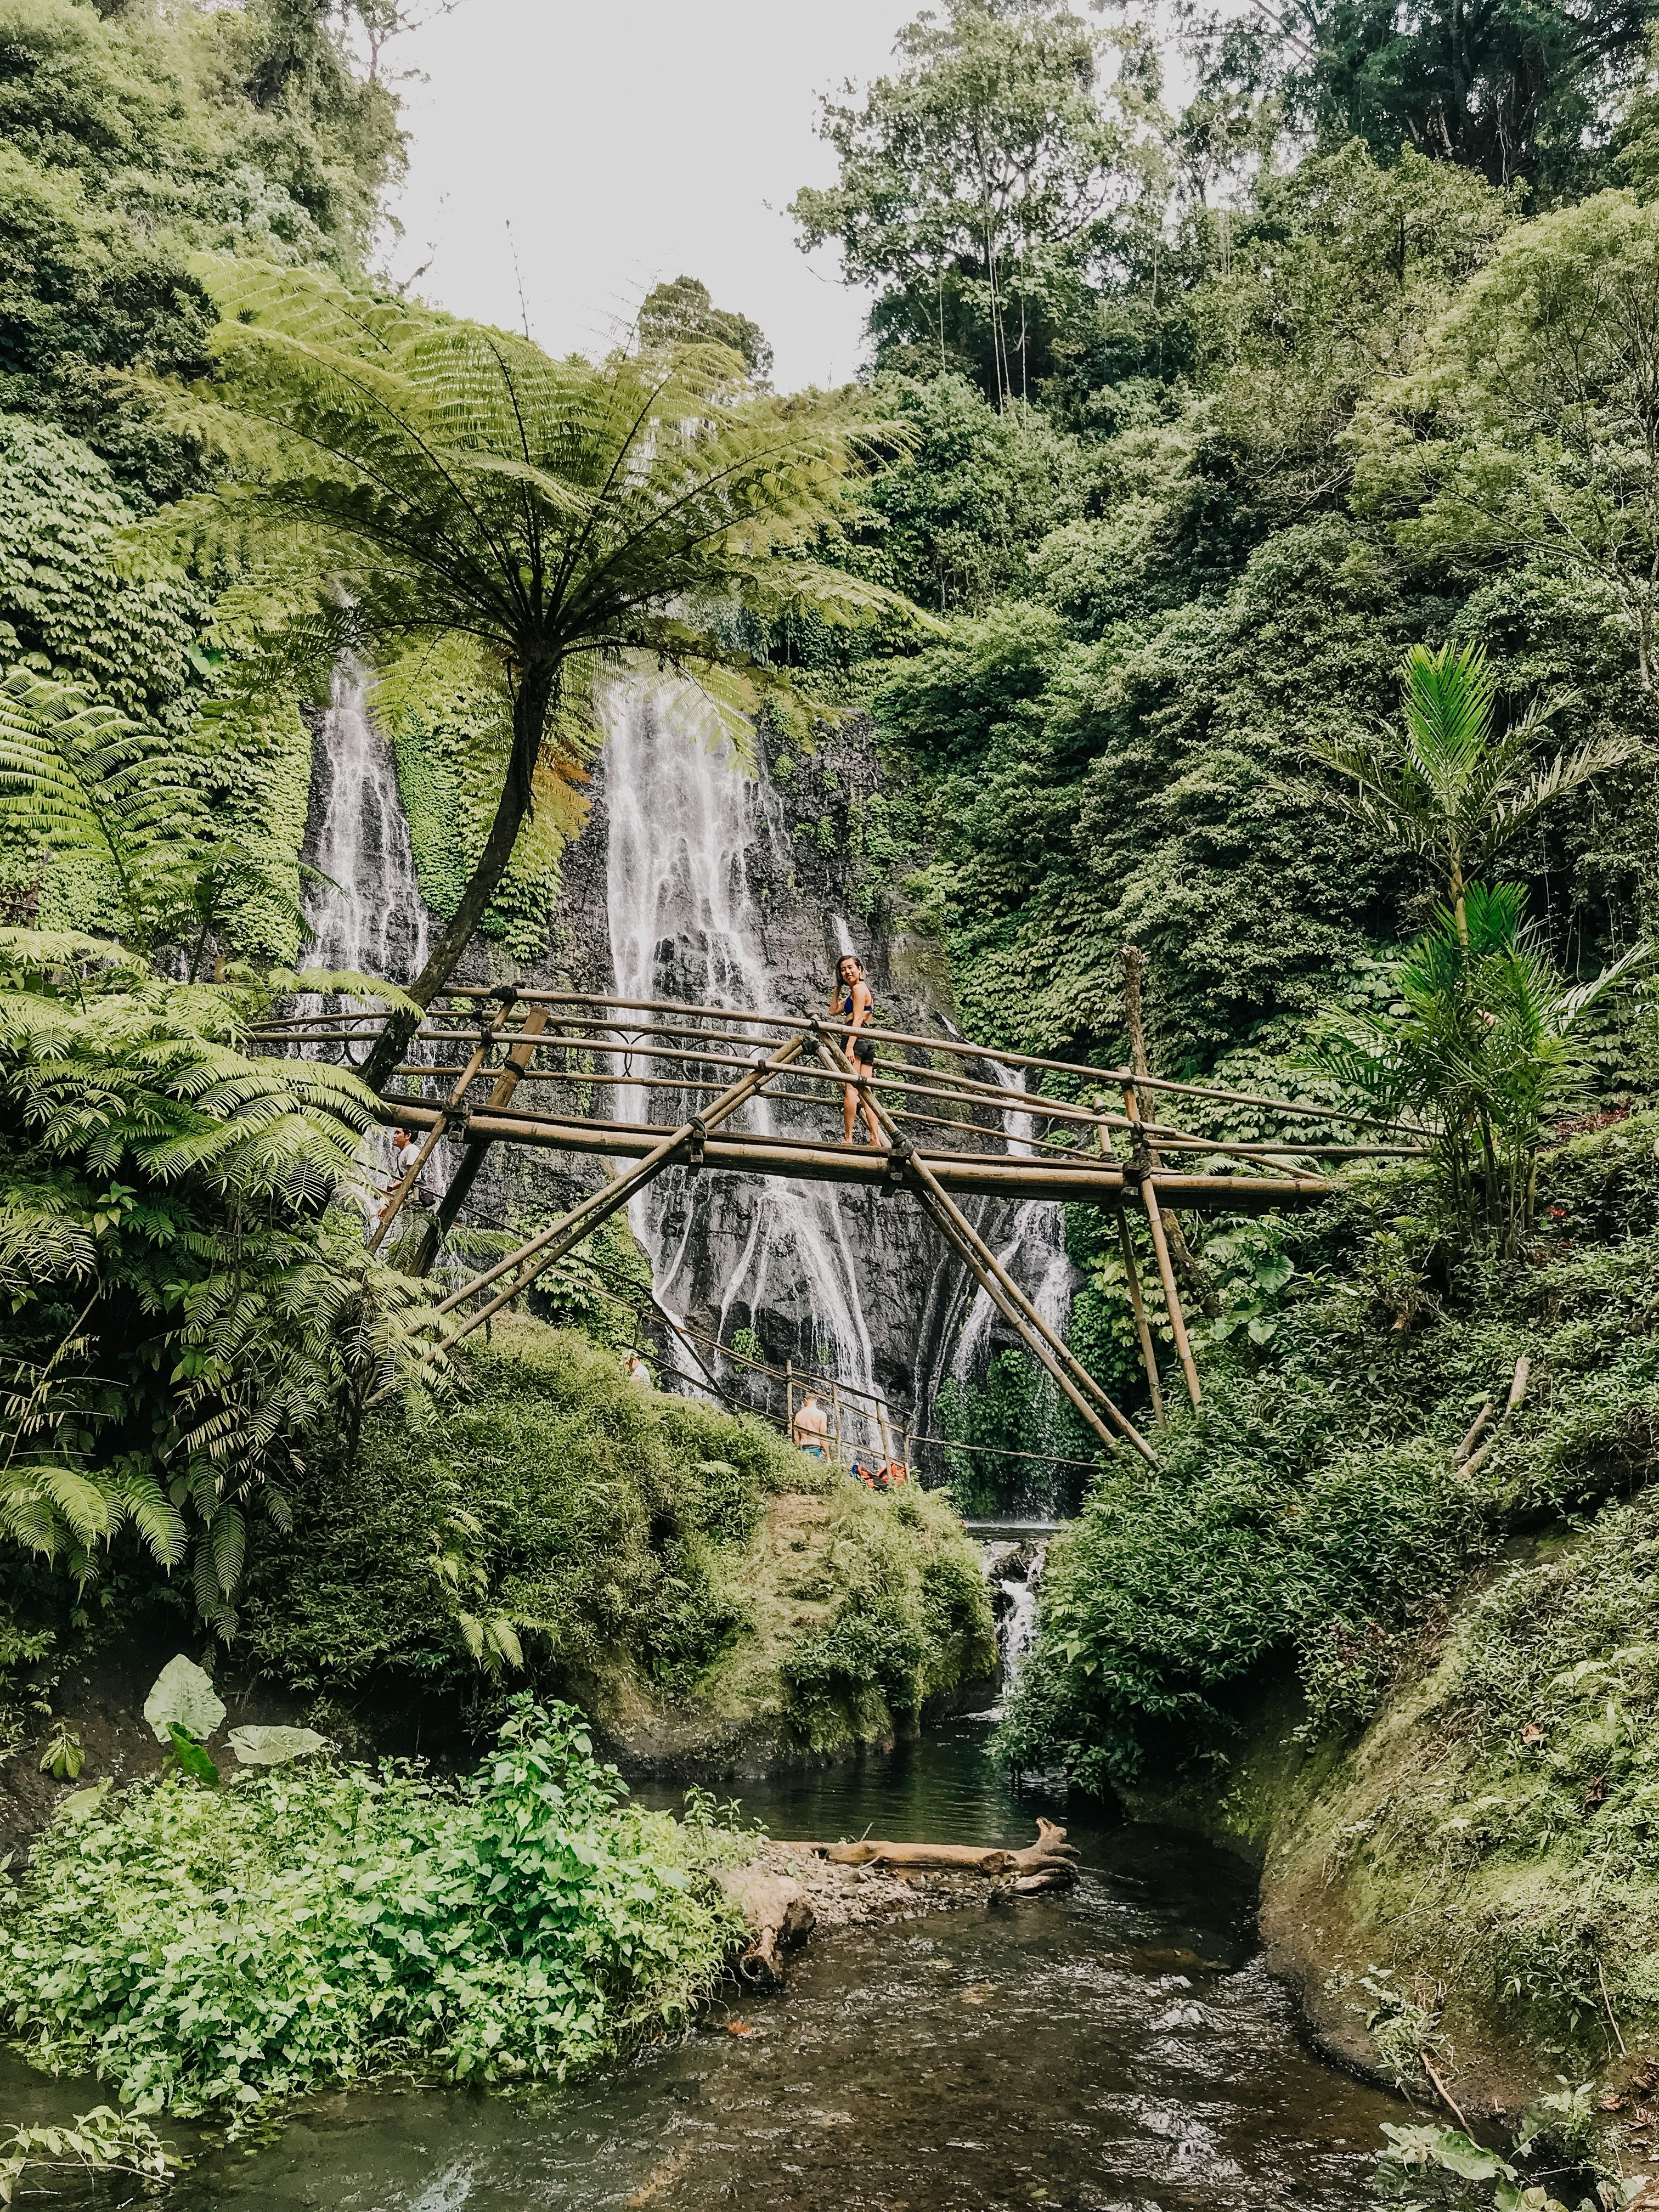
(849, 1110)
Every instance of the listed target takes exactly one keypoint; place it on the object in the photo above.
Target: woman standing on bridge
(854, 999)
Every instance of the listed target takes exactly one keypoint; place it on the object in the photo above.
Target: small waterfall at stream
(684, 924)
(1013, 1567)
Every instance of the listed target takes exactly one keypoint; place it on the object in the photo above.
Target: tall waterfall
(368, 916)
(684, 824)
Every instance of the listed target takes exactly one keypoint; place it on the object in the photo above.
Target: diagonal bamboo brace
(518, 1059)
(1073, 1379)
(551, 1244)
(446, 1113)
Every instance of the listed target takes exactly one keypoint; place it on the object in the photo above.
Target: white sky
(629, 141)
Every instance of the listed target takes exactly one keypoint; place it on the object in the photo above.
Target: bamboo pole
(1147, 1160)
(407, 1181)
(500, 1096)
(1075, 1380)
(990, 1174)
(551, 1244)
(1143, 1326)
(1166, 1273)
(963, 1048)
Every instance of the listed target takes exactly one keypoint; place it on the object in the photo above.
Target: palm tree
(469, 506)
(1445, 786)
(1487, 1050)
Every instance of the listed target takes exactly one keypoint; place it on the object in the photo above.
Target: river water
(1121, 2049)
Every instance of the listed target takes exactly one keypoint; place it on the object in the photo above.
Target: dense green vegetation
(1242, 545)
(211, 1950)
(576, 1531)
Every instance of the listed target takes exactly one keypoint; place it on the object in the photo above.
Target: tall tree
(1530, 426)
(1517, 88)
(981, 185)
(466, 502)
(683, 313)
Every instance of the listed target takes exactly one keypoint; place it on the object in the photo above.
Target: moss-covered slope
(709, 1595)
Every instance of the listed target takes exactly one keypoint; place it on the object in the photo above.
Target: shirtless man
(811, 1427)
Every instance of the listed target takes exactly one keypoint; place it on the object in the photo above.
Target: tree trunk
(537, 691)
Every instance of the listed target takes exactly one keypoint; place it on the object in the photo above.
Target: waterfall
(1034, 1253)
(1013, 1567)
(685, 826)
(368, 916)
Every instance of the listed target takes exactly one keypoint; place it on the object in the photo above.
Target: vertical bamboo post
(789, 1400)
(886, 1435)
(1161, 1247)
(1075, 1382)
(1143, 1326)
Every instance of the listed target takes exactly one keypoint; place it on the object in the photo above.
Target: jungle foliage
(212, 1950)
(1314, 1514)
(563, 1526)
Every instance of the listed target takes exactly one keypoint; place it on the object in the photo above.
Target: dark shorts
(864, 1051)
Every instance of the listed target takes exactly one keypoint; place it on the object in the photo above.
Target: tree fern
(440, 483)
(185, 1298)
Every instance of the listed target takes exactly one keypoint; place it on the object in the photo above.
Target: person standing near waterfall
(854, 999)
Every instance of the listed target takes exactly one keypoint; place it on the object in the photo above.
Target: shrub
(211, 1951)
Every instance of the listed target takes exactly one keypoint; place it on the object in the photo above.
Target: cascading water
(1013, 1567)
(684, 821)
(367, 916)
(1035, 1255)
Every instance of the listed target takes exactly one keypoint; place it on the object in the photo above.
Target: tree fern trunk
(531, 708)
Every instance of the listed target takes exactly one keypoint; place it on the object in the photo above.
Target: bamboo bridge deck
(652, 1084)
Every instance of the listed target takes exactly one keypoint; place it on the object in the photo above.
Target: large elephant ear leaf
(275, 1747)
(183, 1698)
(191, 1757)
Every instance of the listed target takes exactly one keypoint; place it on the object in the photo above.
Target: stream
(1121, 2049)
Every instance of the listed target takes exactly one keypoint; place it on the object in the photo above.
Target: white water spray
(684, 924)
(369, 916)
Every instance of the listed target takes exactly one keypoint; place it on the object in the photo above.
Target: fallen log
(779, 1915)
(1051, 1858)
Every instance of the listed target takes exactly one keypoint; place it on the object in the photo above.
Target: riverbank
(1458, 1891)
(1120, 2044)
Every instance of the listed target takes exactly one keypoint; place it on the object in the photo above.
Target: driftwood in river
(779, 1915)
(1048, 1863)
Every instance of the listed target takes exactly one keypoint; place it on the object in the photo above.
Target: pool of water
(1120, 2049)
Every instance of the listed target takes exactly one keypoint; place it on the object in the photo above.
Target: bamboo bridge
(580, 1072)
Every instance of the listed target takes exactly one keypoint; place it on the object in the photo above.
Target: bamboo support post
(1166, 1273)
(1149, 1162)
(405, 1185)
(519, 1058)
(1143, 1325)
